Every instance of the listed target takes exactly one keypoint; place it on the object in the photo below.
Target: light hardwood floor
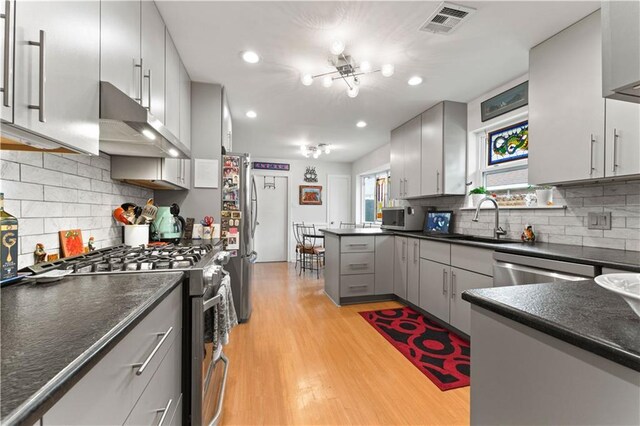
(302, 360)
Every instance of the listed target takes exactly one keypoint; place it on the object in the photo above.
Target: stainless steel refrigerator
(238, 220)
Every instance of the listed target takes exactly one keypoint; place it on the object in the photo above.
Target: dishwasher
(513, 269)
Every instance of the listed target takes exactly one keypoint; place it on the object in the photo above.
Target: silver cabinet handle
(358, 286)
(615, 149)
(357, 244)
(358, 265)
(444, 282)
(7, 47)
(400, 192)
(437, 181)
(591, 168)
(41, 44)
(142, 366)
(453, 285)
(148, 77)
(405, 187)
(415, 251)
(179, 177)
(404, 249)
(139, 66)
(164, 412)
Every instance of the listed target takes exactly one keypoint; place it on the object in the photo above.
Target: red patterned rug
(440, 354)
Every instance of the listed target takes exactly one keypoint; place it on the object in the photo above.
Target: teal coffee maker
(168, 225)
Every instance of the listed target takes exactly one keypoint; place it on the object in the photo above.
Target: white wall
(296, 212)
(375, 161)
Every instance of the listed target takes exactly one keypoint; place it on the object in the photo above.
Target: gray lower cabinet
(434, 288)
(400, 267)
(460, 310)
(56, 72)
(115, 389)
(357, 285)
(384, 251)
(413, 271)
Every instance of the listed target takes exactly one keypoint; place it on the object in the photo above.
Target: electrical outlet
(599, 220)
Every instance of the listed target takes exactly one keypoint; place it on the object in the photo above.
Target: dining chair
(347, 225)
(367, 224)
(299, 242)
(312, 252)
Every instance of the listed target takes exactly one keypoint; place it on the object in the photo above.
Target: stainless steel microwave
(406, 218)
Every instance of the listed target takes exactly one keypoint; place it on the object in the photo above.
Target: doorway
(271, 233)
(338, 200)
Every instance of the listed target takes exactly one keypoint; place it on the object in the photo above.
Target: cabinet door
(185, 106)
(434, 288)
(172, 87)
(186, 174)
(153, 57)
(566, 108)
(460, 310)
(413, 271)
(412, 154)
(397, 164)
(8, 8)
(60, 76)
(171, 170)
(623, 138)
(384, 264)
(432, 150)
(400, 268)
(120, 46)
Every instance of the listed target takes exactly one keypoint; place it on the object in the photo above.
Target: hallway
(302, 360)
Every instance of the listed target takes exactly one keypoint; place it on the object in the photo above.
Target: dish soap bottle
(8, 243)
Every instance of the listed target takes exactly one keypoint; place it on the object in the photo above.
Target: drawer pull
(164, 412)
(358, 245)
(142, 366)
(358, 286)
(359, 265)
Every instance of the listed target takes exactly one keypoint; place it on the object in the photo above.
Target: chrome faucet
(497, 230)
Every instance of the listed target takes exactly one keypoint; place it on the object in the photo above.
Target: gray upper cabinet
(172, 86)
(8, 9)
(621, 50)
(153, 60)
(622, 138)
(185, 106)
(400, 267)
(227, 123)
(405, 160)
(566, 108)
(120, 46)
(397, 164)
(57, 72)
(432, 134)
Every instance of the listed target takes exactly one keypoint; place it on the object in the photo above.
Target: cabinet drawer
(357, 244)
(356, 285)
(357, 263)
(108, 392)
(472, 259)
(163, 391)
(436, 251)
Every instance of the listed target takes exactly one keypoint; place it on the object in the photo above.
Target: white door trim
(350, 206)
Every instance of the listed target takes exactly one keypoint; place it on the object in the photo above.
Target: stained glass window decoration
(509, 143)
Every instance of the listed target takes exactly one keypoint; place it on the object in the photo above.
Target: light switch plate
(599, 220)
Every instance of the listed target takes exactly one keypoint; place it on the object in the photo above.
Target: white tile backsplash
(51, 192)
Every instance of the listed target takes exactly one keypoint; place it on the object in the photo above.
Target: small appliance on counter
(407, 218)
(168, 225)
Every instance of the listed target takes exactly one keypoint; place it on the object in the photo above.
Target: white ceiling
(293, 37)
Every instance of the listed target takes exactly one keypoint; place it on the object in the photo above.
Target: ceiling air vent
(447, 18)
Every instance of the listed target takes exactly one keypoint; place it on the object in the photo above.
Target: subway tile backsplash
(53, 192)
(568, 226)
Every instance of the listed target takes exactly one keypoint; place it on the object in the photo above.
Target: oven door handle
(216, 417)
(210, 303)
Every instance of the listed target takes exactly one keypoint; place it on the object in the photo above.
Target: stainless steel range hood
(128, 129)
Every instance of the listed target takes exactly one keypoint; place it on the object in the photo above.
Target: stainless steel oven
(513, 269)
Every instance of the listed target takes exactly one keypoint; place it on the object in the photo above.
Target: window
(375, 196)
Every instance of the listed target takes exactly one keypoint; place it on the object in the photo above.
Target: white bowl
(626, 285)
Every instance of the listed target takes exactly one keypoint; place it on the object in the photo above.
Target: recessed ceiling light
(148, 134)
(361, 124)
(414, 81)
(173, 152)
(250, 57)
(251, 114)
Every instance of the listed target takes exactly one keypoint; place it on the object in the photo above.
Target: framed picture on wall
(508, 144)
(310, 195)
(506, 101)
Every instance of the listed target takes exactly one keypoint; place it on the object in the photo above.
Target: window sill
(490, 207)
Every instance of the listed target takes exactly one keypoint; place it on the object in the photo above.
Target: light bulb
(414, 81)
(327, 81)
(303, 148)
(365, 66)
(387, 70)
(251, 114)
(327, 149)
(316, 154)
(250, 57)
(361, 124)
(148, 134)
(337, 47)
(307, 79)
(353, 91)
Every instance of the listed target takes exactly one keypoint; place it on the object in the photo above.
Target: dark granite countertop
(602, 257)
(52, 334)
(578, 312)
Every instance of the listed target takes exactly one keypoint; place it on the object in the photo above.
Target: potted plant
(477, 194)
(544, 195)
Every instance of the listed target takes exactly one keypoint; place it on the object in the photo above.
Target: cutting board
(71, 242)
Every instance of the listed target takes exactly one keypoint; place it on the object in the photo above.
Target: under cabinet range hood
(128, 129)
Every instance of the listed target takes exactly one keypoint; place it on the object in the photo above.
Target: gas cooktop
(127, 258)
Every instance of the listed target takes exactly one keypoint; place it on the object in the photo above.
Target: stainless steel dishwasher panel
(510, 269)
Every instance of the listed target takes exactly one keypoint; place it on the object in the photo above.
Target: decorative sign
(260, 165)
(509, 100)
(310, 175)
(509, 143)
(311, 195)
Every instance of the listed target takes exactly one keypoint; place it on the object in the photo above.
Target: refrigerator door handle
(254, 206)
